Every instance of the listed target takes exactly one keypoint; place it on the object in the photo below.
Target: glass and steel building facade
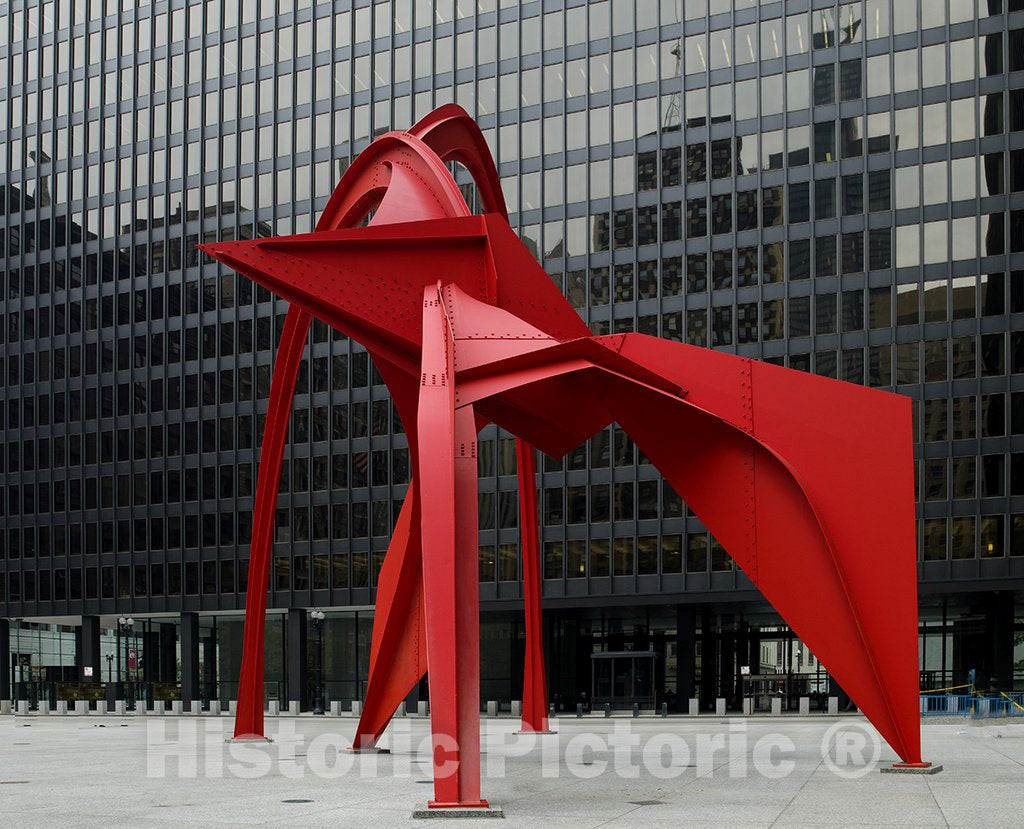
(835, 187)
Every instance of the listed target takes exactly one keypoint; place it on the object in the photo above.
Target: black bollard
(607, 709)
(579, 709)
(636, 709)
(664, 709)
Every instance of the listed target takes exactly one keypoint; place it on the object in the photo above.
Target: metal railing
(972, 705)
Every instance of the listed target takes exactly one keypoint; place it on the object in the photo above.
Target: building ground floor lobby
(621, 655)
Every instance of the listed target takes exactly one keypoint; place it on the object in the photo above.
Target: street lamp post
(317, 616)
(126, 624)
(110, 667)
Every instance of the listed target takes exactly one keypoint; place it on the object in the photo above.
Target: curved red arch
(454, 136)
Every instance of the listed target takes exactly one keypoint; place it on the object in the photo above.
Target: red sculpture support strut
(447, 440)
(249, 710)
(535, 696)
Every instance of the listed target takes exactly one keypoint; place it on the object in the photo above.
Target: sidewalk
(92, 772)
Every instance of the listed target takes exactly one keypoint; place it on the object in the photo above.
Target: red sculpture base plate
(912, 768)
(479, 808)
(249, 738)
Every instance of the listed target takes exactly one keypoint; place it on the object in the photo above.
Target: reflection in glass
(824, 198)
(936, 235)
(904, 17)
(799, 150)
(825, 141)
(746, 99)
(824, 84)
(906, 128)
(746, 44)
(961, 113)
(964, 232)
(772, 154)
(879, 190)
(771, 94)
(695, 54)
(746, 210)
(905, 70)
(963, 298)
(933, 65)
(696, 107)
(797, 90)
(879, 133)
(908, 246)
(876, 18)
(721, 103)
(746, 153)
(961, 60)
(797, 34)
(879, 79)
(933, 13)
(853, 194)
(720, 49)
(696, 163)
(824, 28)
(936, 190)
(771, 39)
(990, 56)
(851, 80)
(964, 178)
(851, 135)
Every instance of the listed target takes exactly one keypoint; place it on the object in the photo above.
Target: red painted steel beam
(447, 454)
(249, 707)
(535, 695)
(398, 651)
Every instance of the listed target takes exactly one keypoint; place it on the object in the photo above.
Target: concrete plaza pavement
(135, 771)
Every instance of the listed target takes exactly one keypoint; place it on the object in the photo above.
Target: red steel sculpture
(807, 482)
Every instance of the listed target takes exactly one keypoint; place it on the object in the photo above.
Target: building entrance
(623, 678)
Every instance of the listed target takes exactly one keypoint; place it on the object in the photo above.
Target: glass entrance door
(623, 678)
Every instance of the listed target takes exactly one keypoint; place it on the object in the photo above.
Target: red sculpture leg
(398, 654)
(249, 710)
(447, 455)
(535, 696)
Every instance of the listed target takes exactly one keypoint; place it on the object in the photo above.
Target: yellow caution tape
(1011, 699)
(950, 688)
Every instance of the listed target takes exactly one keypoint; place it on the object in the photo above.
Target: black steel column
(168, 670)
(754, 649)
(999, 629)
(708, 661)
(189, 659)
(117, 691)
(5, 659)
(150, 656)
(686, 656)
(297, 660)
(88, 654)
(518, 657)
(210, 667)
